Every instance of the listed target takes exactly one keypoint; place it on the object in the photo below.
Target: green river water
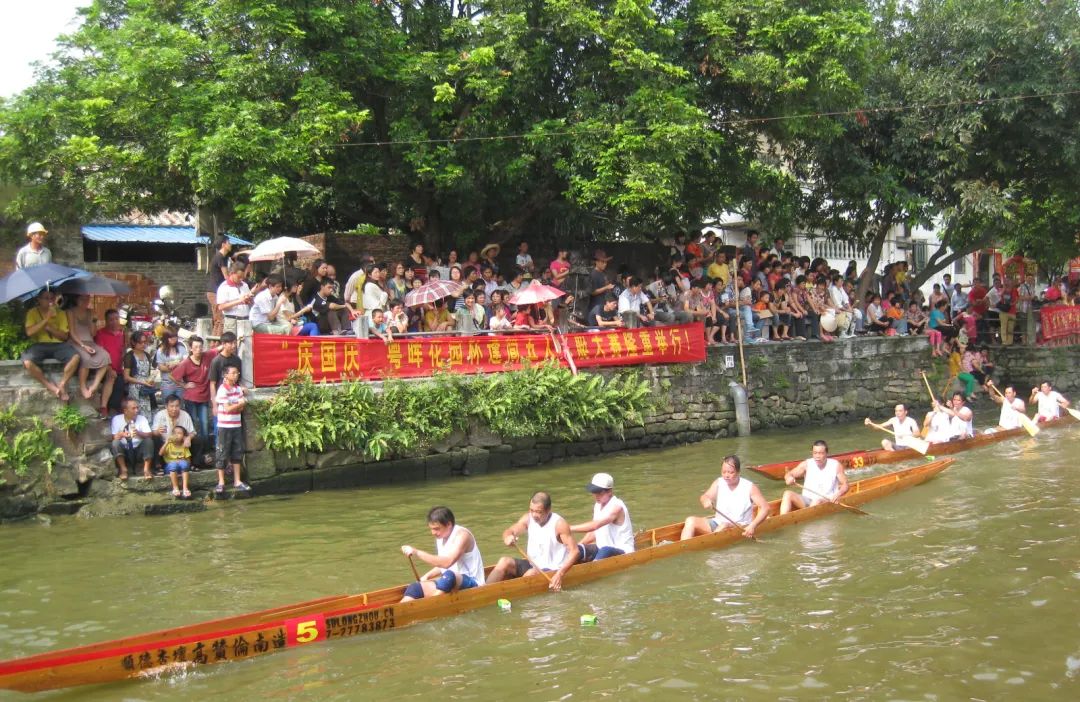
(966, 587)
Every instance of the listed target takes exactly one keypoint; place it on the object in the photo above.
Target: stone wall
(789, 384)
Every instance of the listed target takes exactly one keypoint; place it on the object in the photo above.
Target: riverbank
(790, 385)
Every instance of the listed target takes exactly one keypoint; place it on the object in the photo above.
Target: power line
(858, 112)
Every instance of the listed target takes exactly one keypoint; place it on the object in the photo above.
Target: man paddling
(824, 480)
(1011, 409)
(551, 546)
(456, 563)
(733, 498)
(1049, 400)
(903, 427)
(610, 532)
(961, 418)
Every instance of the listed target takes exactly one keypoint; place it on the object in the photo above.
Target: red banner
(1059, 321)
(334, 359)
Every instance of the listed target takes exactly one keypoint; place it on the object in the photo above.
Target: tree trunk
(939, 261)
(884, 224)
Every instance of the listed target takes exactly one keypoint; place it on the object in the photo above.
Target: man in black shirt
(605, 313)
(324, 304)
(216, 273)
(599, 285)
(225, 358)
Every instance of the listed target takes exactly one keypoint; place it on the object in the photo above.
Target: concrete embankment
(793, 384)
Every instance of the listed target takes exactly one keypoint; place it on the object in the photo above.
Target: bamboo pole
(738, 314)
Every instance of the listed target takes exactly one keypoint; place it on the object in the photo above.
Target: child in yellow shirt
(177, 455)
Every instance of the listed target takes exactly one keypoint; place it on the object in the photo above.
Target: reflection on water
(964, 588)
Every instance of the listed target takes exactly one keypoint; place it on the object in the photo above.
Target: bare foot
(86, 393)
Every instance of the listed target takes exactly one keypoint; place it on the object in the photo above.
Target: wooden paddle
(535, 567)
(1029, 426)
(413, 566)
(1073, 412)
(733, 522)
(912, 441)
(856, 510)
(932, 398)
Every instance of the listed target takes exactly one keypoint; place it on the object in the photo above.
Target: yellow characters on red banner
(335, 358)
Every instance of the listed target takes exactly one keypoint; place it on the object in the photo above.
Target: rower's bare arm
(762, 512)
(841, 480)
(516, 529)
(708, 498)
(562, 530)
(795, 473)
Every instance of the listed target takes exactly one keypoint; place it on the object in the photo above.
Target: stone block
(525, 457)
(480, 435)
(64, 482)
(259, 465)
(526, 442)
(406, 470)
(438, 465)
(64, 507)
(285, 462)
(286, 483)
(17, 507)
(456, 438)
(336, 457)
(476, 460)
(339, 477)
(174, 507)
(583, 448)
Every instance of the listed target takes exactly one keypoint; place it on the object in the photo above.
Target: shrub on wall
(12, 339)
(544, 401)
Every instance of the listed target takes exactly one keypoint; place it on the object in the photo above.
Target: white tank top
(962, 428)
(470, 563)
(941, 428)
(619, 536)
(736, 503)
(822, 481)
(1008, 418)
(545, 550)
(904, 429)
(1048, 404)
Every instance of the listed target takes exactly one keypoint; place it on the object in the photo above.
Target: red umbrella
(432, 291)
(536, 293)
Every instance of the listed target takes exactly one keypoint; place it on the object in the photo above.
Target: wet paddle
(1029, 426)
(534, 566)
(856, 510)
(932, 398)
(913, 442)
(1074, 413)
(733, 522)
(413, 566)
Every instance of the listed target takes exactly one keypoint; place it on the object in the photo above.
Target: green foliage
(21, 450)
(13, 339)
(407, 416)
(69, 419)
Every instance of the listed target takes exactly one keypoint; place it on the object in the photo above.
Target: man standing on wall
(216, 273)
(35, 252)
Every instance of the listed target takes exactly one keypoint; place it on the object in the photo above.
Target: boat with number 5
(853, 460)
(242, 637)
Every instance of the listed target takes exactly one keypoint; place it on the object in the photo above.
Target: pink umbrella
(536, 293)
(430, 292)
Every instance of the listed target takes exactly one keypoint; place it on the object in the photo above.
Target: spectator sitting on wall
(523, 261)
(700, 305)
(35, 252)
(113, 338)
(437, 318)
(131, 439)
(605, 314)
(316, 274)
(379, 327)
(168, 419)
(267, 315)
(234, 298)
(527, 317)
(876, 321)
(915, 318)
(322, 307)
(500, 322)
(634, 305)
(47, 327)
(91, 355)
(294, 310)
(176, 455)
(398, 322)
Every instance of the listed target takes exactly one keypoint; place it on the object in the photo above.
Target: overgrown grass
(544, 401)
(25, 444)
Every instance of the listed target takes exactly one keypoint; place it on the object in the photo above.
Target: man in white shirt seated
(633, 300)
(131, 439)
(266, 314)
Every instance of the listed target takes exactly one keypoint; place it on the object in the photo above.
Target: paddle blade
(1029, 426)
(1074, 413)
(918, 444)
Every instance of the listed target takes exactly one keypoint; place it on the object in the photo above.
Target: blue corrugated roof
(149, 234)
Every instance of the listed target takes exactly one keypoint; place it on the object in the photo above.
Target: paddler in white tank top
(903, 428)
(733, 499)
(823, 478)
(456, 565)
(1011, 407)
(961, 418)
(551, 546)
(937, 426)
(1048, 400)
(610, 532)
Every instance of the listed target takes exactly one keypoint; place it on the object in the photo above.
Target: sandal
(187, 494)
(103, 413)
(175, 492)
(220, 489)
(242, 487)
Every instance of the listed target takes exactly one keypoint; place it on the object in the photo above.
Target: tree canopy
(561, 120)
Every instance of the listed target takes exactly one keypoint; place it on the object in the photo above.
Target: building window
(960, 266)
(921, 253)
(829, 248)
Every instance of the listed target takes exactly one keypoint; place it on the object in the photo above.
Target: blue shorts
(444, 583)
(177, 466)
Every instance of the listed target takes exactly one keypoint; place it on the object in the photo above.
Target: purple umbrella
(432, 291)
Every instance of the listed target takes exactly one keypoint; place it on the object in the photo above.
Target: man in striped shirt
(230, 402)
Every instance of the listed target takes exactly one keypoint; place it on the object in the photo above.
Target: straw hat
(36, 227)
(489, 247)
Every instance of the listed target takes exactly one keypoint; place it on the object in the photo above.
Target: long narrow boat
(242, 637)
(870, 457)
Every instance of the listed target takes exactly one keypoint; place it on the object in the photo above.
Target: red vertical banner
(334, 359)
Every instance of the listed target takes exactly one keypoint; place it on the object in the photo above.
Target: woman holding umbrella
(91, 356)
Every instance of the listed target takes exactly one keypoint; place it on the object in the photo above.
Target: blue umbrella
(26, 282)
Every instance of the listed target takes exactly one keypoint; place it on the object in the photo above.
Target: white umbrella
(273, 249)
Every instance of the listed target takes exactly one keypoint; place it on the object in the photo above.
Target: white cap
(36, 227)
(600, 482)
